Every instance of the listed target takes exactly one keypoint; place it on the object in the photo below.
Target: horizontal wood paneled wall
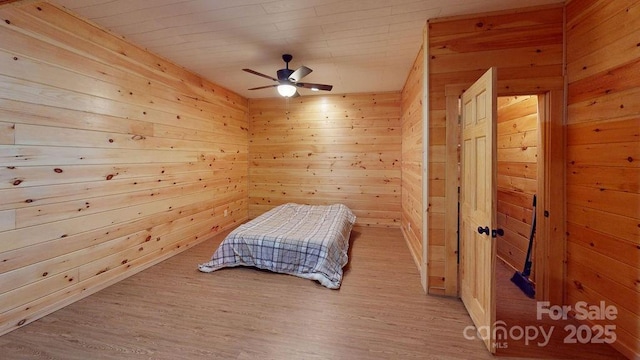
(327, 149)
(517, 174)
(112, 159)
(603, 169)
(527, 48)
(412, 149)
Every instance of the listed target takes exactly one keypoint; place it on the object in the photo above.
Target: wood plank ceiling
(356, 45)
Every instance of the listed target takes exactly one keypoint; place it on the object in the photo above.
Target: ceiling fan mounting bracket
(287, 58)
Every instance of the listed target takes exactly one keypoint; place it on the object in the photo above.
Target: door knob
(497, 232)
(483, 230)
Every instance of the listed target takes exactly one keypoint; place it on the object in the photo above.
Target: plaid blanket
(302, 240)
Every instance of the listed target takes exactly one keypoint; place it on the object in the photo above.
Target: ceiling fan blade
(301, 72)
(260, 74)
(315, 86)
(263, 87)
(295, 95)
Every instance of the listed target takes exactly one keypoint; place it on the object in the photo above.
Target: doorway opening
(517, 141)
(517, 183)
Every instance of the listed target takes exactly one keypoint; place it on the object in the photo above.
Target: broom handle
(527, 263)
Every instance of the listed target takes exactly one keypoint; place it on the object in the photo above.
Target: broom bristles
(524, 284)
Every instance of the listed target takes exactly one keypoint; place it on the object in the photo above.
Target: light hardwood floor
(171, 311)
(517, 310)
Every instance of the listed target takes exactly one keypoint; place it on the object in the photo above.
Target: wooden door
(478, 204)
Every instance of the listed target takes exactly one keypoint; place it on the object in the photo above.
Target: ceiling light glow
(286, 90)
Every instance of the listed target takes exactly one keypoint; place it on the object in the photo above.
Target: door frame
(549, 252)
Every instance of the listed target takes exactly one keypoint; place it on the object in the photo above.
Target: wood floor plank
(171, 311)
(516, 310)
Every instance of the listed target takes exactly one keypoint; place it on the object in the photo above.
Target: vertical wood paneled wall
(111, 159)
(517, 172)
(412, 170)
(603, 155)
(327, 149)
(527, 48)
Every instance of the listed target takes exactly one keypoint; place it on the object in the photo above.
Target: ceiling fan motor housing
(283, 74)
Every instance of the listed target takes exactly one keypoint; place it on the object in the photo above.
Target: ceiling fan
(289, 80)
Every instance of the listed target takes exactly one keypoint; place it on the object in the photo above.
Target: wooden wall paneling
(34, 71)
(224, 134)
(117, 51)
(527, 48)
(412, 164)
(618, 179)
(116, 259)
(624, 275)
(354, 161)
(577, 272)
(42, 306)
(39, 307)
(52, 155)
(31, 292)
(451, 196)
(7, 133)
(30, 196)
(608, 106)
(605, 244)
(622, 227)
(621, 77)
(37, 215)
(603, 176)
(589, 43)
(137, 84)
(614, 202)
(20, 177)
(48, 136)
(624, 327)
(122, 159)
(539, 55)
(603, 133)
(33, 235)
(626, 324)
(517, 152)
(516, 212)
(451, 161)
(23, 91)
(37, 114)
(614, 154)
(70, 246)
(327, 149)
(37, 271)
(7, 220)
(516, 19)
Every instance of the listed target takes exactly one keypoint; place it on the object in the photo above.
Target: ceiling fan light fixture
(288, 80)
(286, 90)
